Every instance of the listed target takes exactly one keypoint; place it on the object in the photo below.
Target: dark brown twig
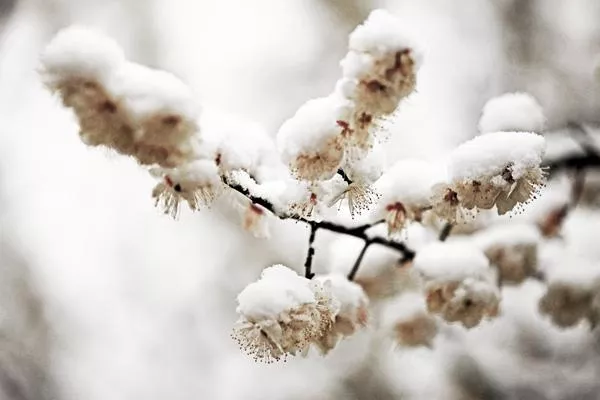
(446, 230)
(359, 232)
(311, 252)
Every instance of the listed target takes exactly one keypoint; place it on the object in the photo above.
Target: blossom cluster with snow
(328, 153)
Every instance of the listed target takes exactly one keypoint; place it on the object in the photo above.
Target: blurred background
(104, 298)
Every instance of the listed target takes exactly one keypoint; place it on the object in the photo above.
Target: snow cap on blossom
(282, 314)
(405, 190)
(511, 248)
(132, 109)
(459, 283)
(237, 143)
(378, 71)
(77, 52)
(573, 288)
(197, 183)
(353, 311)
(500, 168)
(380, 68)
(407, 320)
(311, 142)
(512, 112)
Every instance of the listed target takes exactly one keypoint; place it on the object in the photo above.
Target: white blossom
(282, 314)
(311, 143)
(459, 283)
(406, 190)
(407, 320)
(501, 168)
(353, 309)
(197, 183)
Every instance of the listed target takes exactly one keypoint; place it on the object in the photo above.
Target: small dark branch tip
(341, 173)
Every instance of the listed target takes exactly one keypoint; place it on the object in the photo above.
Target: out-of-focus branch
(446, 230)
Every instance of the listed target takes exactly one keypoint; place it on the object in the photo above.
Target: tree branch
(356, 265)
(311, 252)
(359, 232)
(446, 231)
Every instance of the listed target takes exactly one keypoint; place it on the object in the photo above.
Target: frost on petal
(311, 143)
(512, 112)
(406, 190)
(406, 318)
(197, 183)
(353, 311)
(281, 314)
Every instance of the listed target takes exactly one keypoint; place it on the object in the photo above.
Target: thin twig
(344, 176)
(356, 265)
(311, 252)
(358, 232)
(446, 231)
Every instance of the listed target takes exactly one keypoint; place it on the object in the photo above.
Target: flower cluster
(573, 293)
(284, 314)
(353, 312)
(512, 249)
(408, 321)
(458, 282)
(335, 133)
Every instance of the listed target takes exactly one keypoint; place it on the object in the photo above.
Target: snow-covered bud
(256, 221)
(353, 313)
(512, 249)
(281, 314)
(571, 294)
(501, 168)
(134, 110)
(380, 68)
(459, 282)
(197, 183)
(512, 112)
(406, 191)
(407, 320)
(311, 143)
(162, 112)
(239, 144)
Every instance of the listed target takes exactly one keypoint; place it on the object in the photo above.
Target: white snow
(349, 294)
(146, 92)
(512, 112)
(279, 289)
(487, 155)
(381, 33)
(409, 181)
(81, 52)
(312, 127)
(513, 233)
(452, 261)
